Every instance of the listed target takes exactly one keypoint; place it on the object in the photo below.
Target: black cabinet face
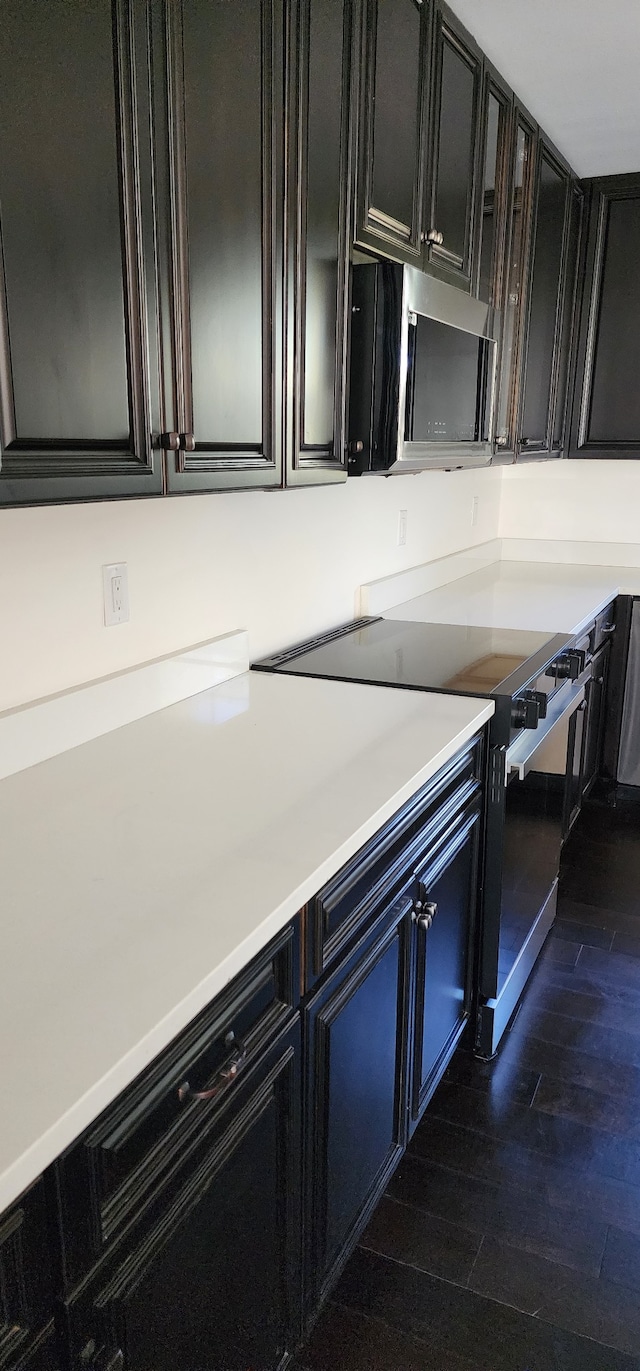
(454, 175)
(392, 127)
(515, 287)
(213, 1285)
(565, 342)
(321, 189)
(614, 414)
(357, 1033)
(489, 226)
(223, 172)
(545, 297)
(77, 368)
(443, 953)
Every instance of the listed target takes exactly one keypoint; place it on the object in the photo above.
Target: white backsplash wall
(595, 502)
(282, 565)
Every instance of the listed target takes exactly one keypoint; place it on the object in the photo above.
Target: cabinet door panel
(213, 1284)
(320, 139)
(493, 207)
(459, 81)
(568, 319)
(392, 140)
(357, 1031)
(594, 724)
(444, 956)
(515, 287)
(223, 178)
(76, 363)
(607, 400)
(26, 1284)
(544, 305)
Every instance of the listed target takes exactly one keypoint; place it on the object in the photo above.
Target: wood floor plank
(495, 1336)
(526, 1220)
(344, 1340)
(621, 1261)
(598, 1308)
(419, 1239)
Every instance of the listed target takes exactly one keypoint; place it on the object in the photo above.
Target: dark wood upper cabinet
(494, 189)
(78, 357)
(606, 406)
(568, 320)
(394, 86)
(514, 294)
(320, 139)
(544, 323)
(220, 147)
(457, 100)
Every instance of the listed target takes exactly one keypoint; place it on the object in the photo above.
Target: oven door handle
(520, 755)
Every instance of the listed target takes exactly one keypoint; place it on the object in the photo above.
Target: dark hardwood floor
(509, 1238)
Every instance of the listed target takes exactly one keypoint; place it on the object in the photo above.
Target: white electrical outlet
(115, 585)
(402, 528)
(474, 510)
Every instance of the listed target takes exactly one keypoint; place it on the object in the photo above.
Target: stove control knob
(569, 666)
(540, 699)
(525, 711)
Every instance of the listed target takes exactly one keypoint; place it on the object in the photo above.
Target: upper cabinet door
(449, 238)
(545, 306)
(568, 321)
(393, 114)
(606, 407)
(219, 88)
(494, 191)
(78, 365)
(320, 225)
(514, 293)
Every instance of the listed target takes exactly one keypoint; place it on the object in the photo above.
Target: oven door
(524, 842)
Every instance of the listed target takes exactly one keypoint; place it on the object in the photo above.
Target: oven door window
(449, 378)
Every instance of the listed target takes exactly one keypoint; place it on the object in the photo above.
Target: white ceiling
(576, 65)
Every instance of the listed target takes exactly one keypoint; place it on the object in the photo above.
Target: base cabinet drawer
(214, 1282)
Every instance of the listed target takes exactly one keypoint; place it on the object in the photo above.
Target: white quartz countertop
(142, 870)
(523, 595)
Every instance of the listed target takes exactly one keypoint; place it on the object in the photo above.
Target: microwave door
(449, 394)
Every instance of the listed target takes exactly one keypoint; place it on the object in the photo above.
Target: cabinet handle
(170, 441)
(434, 236)
(225, 1076)
(423, 914)
(187, 442)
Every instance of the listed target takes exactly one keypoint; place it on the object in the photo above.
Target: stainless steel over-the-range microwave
(423, 373)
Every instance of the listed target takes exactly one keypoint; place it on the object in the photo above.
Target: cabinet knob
(187, 442)
(434, 237)
(424, 913)
(170, 441)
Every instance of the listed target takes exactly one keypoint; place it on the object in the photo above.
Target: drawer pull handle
(424, 913)
(226, 1075)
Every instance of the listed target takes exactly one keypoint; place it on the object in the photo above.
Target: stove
(537, 681)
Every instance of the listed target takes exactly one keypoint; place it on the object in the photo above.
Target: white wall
(282, 565)
(587, 501)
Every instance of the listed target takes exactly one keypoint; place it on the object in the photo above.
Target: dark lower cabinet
(595, 718)
(200, 1222)
(357, 1033)
(444, 924)
(212, 1282)
(27, 1337)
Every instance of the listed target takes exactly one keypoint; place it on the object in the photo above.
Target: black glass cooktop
(447, 657)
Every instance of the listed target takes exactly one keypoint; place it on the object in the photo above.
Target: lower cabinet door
(444, 919)
(212, 1283)
(357, 1033)
(594, 724)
